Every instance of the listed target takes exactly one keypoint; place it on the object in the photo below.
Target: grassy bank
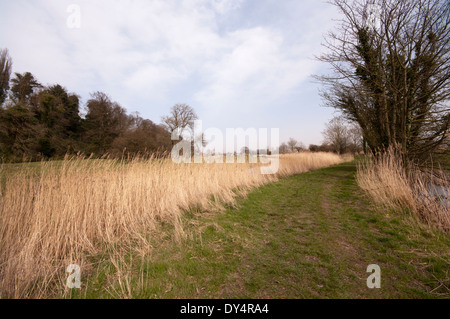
(307, 236)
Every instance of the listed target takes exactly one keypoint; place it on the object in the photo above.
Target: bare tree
(181, 118)
(284, 148)
(292, 144)
(5, 74)
(300, 147)
(392, 77)
(336, 134)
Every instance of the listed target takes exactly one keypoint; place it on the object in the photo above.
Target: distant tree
(300, 147)
(5, 74)
(293, 144)
(58, 112)
(105, 120)
(142, 137)
(20, 133)
(321, 148)
(181, 118)
(284, 148)
(336, 134)
(23, 86)
(180, 121)
(68, 107)
(314, 148)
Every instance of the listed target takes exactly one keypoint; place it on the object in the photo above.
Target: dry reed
(54, 214)
(392, 186)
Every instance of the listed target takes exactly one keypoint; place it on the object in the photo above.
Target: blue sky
(238, 63)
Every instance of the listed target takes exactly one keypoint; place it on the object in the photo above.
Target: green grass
(308, 236)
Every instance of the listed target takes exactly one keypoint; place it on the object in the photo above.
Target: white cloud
(255, 72)
(140, 51)
(153, 80)
(225, 6)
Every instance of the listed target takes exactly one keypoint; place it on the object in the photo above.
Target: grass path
(308, 236)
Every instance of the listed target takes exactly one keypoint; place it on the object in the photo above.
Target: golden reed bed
(53, 213)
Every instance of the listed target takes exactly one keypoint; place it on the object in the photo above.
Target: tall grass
(396, 185)
(55, 213)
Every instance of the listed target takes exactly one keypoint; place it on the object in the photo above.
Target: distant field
(56, 213)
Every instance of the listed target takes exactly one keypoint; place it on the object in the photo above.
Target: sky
(238, 63)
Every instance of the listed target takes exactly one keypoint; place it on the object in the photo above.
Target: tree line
(340, 136)
(38, 122)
